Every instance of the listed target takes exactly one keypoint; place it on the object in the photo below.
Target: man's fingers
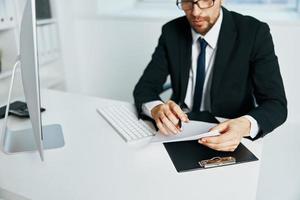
(228, 149)
(169, 124)
(232, 132)
(218, 145)
(172, 117)
(167, 117)
(222, 127)
(177, 110)
(227, 146)
(227, 136)
(161, 127)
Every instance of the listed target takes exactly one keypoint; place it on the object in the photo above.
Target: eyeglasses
(187, 5)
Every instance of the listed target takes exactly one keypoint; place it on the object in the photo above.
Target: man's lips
(198, 22)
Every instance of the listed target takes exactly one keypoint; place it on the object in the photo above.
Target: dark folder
(186, 155)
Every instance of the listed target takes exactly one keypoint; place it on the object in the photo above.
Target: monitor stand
(23, 140)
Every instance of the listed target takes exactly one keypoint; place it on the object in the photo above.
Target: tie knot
(203, 43)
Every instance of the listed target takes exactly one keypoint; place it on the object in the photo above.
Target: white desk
(97, 164)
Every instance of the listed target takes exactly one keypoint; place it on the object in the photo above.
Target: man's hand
(232, 131)
(167, 117)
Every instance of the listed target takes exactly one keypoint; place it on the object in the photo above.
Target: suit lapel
(226, 43)
(185, 52)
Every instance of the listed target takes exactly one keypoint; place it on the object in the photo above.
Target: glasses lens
(188, 5)
(205, 3)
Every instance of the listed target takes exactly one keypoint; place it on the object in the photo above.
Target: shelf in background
(6, 26)
(7, 15)
(5, 74)
(42, 22)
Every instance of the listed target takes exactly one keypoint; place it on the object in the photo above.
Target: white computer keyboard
(126, 122)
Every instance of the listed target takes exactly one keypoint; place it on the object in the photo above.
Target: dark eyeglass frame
(179, 4)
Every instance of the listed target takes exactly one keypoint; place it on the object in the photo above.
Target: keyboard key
(126, 122)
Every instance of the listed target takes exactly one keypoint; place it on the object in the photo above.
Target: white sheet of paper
(193, 130)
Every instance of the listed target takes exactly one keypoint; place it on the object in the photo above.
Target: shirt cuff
(147, 107)
(254, 129)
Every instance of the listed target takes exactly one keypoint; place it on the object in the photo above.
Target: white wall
(287, 46)
(122, 50)
(106, 54)
(280, 176)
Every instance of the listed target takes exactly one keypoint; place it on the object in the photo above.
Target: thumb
(222, 127)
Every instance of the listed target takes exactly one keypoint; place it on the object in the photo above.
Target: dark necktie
(200, 77)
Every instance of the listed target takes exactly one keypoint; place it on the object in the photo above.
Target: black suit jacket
(246, 75)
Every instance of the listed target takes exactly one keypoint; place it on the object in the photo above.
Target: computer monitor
(37, 137)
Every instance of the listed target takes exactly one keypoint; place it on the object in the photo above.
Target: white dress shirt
(211, 38)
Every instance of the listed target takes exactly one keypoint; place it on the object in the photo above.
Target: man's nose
(196, 11)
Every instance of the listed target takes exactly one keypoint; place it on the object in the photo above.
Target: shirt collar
(212, 35)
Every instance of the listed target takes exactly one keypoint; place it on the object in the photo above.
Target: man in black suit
(218, 61)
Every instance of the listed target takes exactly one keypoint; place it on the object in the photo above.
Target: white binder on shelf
(10, 11)
(51, 42)
(45, 30)
(41, 45)
(2, 14)
(48, 43)
(7, 14)
(55, 40)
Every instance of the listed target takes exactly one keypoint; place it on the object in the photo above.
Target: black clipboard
(190, 155)
(187, 155)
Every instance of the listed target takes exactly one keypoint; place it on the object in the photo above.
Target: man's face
(201, 20)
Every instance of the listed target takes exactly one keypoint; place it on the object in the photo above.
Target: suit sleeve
(150, 84)
(268, 88)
